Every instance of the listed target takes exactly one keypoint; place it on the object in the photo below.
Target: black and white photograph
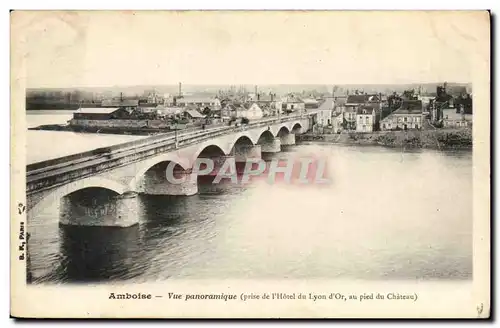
(292, 146)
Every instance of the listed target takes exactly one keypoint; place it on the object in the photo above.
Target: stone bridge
(100, 187)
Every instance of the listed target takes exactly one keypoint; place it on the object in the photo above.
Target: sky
(98, 49)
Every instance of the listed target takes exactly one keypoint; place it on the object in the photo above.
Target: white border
(144, 4)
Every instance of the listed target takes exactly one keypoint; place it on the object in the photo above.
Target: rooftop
(410, 107)
(195, 114)
(168, 110)
(292, 99)
(195, 99)
(359, 99)
(364, 110)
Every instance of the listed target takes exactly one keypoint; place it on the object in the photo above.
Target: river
(386, 214)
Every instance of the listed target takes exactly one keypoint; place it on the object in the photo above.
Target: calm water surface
(387, 214)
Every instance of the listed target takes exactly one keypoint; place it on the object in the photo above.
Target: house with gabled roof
(269, 102)
(100, 113)
(372, 100)
(252, 111)
(194, 115)
(292, 103)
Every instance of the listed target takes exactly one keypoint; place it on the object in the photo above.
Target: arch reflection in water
(99, 253)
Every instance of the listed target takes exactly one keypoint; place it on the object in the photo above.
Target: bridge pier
(271, 146)
(100, 210)
(287, 139)
(155, 182)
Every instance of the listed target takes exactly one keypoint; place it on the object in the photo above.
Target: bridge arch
(207, 150)
(92, 182)
(145, 166)
(265, 135)
(284, 130)
(297, 128)
(242, 139)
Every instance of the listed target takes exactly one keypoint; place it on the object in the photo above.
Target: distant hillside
(278, 88)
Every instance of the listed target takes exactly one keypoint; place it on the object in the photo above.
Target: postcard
(250, 164)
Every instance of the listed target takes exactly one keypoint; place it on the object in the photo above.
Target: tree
(207, 111)
(394, 101)
(409, 94)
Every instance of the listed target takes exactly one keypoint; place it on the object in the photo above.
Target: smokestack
(180, 89)
(256, 90)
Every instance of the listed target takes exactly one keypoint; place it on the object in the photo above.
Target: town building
(350, 110)
(325, 112)
(200, 102)
(370, 100)
(101, 113)
(169, 100)
(164, 112)
(292, 103)
(407, 116)
(310, 103)
(148, 109)
(251, 111)
(270, 103)
(348, 116)
(228, 111)
(194, 115)
(365, 119)
(456, 118)
(439, 104)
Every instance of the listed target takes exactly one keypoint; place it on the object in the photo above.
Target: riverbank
(429, 139)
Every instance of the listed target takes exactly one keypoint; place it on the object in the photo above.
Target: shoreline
(439, 139)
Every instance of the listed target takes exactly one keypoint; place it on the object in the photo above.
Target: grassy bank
(432, 139)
